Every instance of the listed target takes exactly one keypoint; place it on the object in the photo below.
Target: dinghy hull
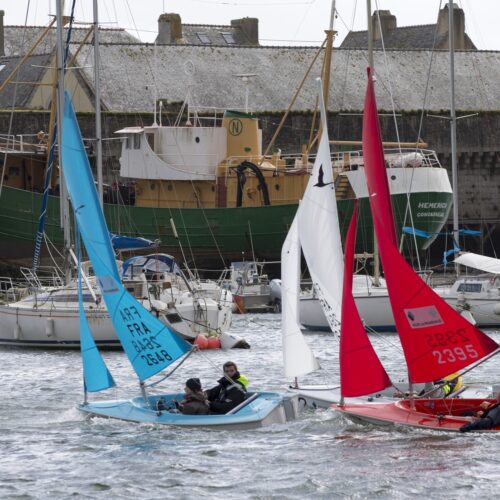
(259, 410)
(435, 414)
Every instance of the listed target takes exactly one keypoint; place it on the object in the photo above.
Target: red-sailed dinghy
(436, 340)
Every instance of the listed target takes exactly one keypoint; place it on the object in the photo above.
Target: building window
(203, 38)
(228, 37)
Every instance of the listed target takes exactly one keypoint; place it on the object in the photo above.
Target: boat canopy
(480, 262)
(158, 263)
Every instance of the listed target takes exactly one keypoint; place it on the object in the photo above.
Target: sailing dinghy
(316, 230)
(149, 345)
(436, 340)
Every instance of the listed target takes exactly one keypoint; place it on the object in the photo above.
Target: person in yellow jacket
(230, 391)
(448, 386)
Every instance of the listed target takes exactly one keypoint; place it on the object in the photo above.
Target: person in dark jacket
(488, 417)
(230, 391)
(195, 400)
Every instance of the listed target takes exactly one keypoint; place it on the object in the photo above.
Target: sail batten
(436, 340)
(149, 345)
(361, 371)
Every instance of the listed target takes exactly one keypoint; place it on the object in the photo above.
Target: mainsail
(149, 345)
(319, 231)
(298, 358)
(436, 340)
(361, 371)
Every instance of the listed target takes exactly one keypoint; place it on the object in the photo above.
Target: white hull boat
(372, 302)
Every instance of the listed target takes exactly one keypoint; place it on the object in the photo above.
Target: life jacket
(243, 381)
(452, 384)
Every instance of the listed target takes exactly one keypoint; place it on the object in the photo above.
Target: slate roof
(405, 37)
(18, 39)
(131, 71)
(214, 34)
(31, 71)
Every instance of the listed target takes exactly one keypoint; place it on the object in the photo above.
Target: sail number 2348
(449, 347)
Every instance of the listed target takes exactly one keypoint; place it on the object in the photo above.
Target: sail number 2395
(449, 347)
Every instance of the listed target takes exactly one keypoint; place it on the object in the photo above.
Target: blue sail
(96, 376)
(149, 345)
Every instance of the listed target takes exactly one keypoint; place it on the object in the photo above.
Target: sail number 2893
(449, 346)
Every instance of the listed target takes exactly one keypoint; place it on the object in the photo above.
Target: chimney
(249, 27)
(169, 29)
(387, 24)
(458, 27)
(2, 44)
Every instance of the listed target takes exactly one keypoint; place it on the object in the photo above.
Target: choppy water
(48, 450)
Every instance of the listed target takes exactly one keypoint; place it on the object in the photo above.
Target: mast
(330, 36)
(97, 89)
(376, 258)
(63, 200)
(453, 127)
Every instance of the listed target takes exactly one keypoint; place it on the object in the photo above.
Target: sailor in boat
(195, 400)
(487, 418)
(449, 386)
(230, 391)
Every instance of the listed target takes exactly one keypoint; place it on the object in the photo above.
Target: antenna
(244, 78)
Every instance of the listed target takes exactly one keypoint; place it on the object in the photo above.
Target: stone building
(136, 76)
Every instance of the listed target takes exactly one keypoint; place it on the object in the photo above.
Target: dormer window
(228, 37)
(203, 37)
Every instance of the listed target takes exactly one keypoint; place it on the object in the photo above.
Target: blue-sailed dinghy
(149, 345)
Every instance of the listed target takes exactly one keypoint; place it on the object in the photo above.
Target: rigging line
(14, 97)
(408, 206)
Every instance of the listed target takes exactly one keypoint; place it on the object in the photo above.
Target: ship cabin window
(133, 141)
(470, 287)
(203, 37)
(228, 37)
(150, 137)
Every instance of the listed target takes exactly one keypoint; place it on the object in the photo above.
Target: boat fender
(201, 341)
(213, 343)
(50, 327)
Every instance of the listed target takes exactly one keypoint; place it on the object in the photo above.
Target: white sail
(319, 231)
(298, 358)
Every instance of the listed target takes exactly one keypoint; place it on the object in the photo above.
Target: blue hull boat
(258, 410)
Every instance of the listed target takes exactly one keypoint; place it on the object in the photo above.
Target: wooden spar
(280, 126)
(53, 100)
(33, 47)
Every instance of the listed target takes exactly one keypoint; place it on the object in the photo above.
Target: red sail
(436, 340)
(361, 372)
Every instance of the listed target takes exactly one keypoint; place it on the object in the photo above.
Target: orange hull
(436, 414)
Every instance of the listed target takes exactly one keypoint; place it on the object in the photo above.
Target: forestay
(361, 371)
(96, 376)
(298, 358)
(149, 345)
(436, 340)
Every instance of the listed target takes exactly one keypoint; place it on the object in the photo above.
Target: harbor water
(49, 450)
